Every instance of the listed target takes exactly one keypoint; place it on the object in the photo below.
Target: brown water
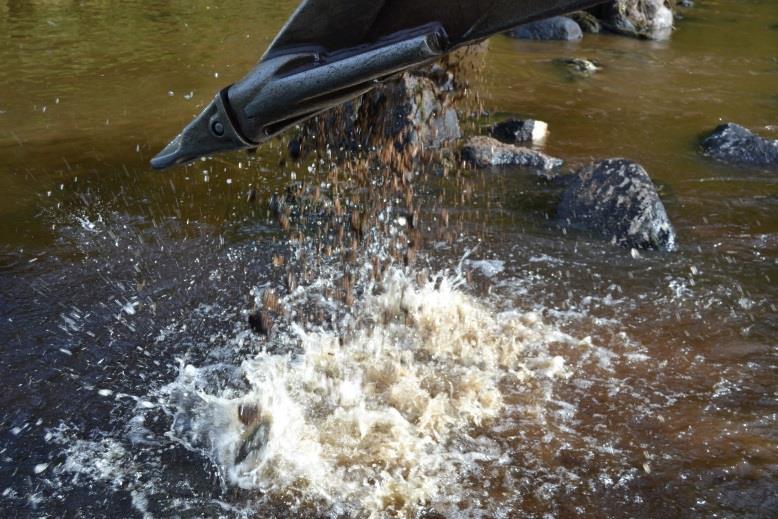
(627, 386)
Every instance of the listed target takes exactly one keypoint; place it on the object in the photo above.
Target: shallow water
(512, 370)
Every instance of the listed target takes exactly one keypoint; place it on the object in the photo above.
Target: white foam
(488, 268)
(370, 419)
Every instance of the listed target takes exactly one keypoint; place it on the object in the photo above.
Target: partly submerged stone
(484, 152)
(586, 21)
(736, 145)
(554, 28)
(414, 111)
(422, 113)
(513, 131)
(651, 19)
(617, 199)
(579, 67)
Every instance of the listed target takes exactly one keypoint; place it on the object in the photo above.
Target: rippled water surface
(470, 361)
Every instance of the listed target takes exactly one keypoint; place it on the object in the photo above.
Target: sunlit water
(511, 370)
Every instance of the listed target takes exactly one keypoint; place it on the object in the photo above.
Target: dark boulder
(399, 118)
(513, 131)
(617, 199)
(484, 152)
(433, 120)
(733, 144)
(555, 28)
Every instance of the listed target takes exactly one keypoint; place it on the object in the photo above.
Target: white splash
(371, 420)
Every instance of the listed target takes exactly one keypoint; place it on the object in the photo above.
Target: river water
(504, 369)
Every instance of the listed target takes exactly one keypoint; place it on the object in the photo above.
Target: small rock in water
(554, 28)
(486, 151)
(617, 199)
(513, 131)
(580, 67)
(734, 144)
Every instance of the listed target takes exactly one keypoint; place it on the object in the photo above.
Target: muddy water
(511, 370)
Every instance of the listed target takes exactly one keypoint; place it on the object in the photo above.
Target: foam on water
(372, 418)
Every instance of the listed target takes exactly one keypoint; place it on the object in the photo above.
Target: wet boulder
(554, 28)
(428, 111)
(586, 21)
(513, 131)
(484, 152)
(652, 19)
(733, 144)
(409, 118)
(617, 199)
(414, 111)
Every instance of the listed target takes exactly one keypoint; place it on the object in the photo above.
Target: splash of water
(369, 419)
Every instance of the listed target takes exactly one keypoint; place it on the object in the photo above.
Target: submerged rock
(484, 152)
(579, 67)
(734, 144)
(513, 131)
(652, 19)
(617, 199)
(554, 28)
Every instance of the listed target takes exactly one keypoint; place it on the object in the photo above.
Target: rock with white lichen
(513, 131)
(484, 152)
(652, 19)
(617, 199)
(733, 144)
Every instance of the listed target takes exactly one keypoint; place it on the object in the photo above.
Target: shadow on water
(114, 279)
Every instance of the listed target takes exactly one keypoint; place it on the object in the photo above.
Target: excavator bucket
(331, 51)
